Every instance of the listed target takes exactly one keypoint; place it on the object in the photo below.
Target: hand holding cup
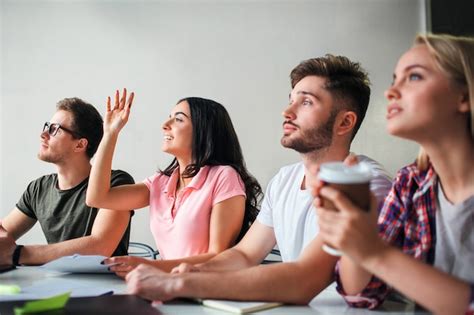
(351, 181)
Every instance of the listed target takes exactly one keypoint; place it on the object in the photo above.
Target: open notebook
(238, 307)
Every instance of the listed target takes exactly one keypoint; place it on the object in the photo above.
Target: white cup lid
(339, 173)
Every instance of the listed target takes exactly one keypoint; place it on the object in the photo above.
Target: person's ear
(81, 145)
(464, 104)
(345, 122)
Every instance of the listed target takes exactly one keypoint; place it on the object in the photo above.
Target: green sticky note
(53, 303)
(8, 289)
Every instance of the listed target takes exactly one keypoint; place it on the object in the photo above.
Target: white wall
(239, 53)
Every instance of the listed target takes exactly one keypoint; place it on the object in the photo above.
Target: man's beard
(50, 158)
(312, 140)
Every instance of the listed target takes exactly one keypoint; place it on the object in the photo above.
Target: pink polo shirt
(186, 231)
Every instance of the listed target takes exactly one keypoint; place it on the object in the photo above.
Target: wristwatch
(16, 255)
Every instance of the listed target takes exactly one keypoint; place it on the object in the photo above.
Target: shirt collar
(173, 180)
(196, 183)
(425, 179)
(200, 178)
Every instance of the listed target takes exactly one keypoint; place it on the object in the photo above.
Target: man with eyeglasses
(57, 201)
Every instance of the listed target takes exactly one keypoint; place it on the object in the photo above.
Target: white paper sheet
(78, 264)
(55, 286)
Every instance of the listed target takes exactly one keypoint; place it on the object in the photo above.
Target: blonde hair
(455, 57)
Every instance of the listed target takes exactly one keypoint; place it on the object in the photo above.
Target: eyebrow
(304, 93)
(410, 67)
(177, 113)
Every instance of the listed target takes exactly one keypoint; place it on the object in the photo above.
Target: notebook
(238, 307)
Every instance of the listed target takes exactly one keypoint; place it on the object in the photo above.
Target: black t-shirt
(63, 214)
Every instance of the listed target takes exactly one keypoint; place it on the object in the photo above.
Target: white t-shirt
(289, 210)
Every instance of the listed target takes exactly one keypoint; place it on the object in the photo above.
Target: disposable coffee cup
(353, 181)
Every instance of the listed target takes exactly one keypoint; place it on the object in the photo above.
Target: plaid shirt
(407, 221)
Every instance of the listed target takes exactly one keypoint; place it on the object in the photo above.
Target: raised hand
(117, 117)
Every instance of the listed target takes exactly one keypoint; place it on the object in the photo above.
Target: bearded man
(328, 102)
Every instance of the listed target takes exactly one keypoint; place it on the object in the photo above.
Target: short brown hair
(86, 122)
(346, 80)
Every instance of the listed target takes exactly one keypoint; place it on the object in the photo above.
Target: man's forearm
(282, 282)
(41, 254)
(230, 259)
(296, 282)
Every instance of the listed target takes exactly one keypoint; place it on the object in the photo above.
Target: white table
(328, 302)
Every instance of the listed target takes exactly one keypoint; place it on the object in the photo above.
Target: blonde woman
(428, 217)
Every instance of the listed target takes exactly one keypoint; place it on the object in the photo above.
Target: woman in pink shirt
(201, 204)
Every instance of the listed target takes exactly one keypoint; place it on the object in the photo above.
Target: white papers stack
(78, 264)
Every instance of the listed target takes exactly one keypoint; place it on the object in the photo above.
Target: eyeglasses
(52, 129)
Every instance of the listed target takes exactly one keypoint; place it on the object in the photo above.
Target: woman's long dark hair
(215, 143)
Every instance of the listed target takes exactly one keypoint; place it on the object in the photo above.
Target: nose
(166, 124)
(289, 112)
(392, 93)
(44, 134)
